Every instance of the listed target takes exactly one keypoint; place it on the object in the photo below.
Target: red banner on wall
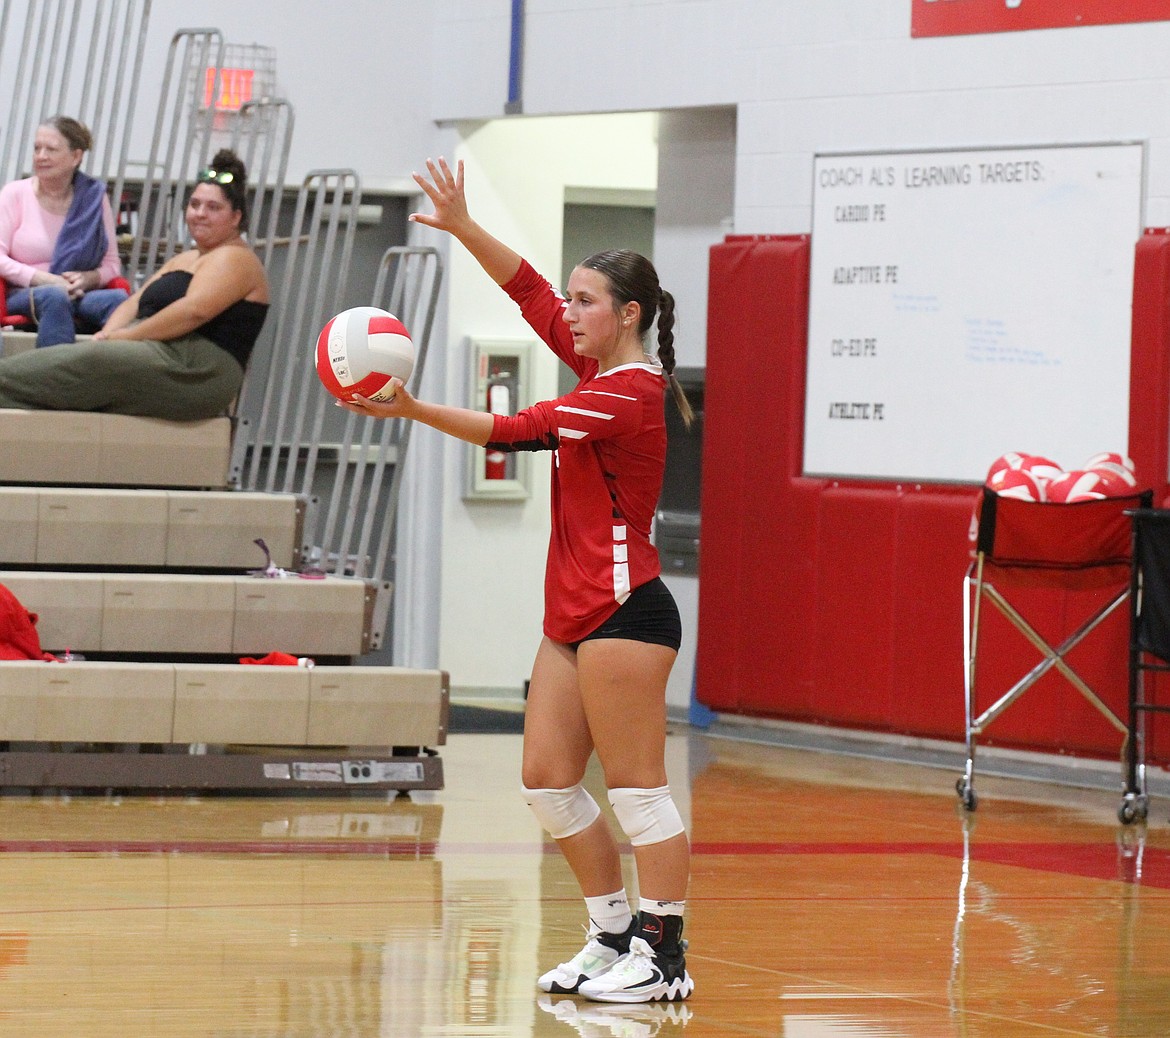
(963, 17)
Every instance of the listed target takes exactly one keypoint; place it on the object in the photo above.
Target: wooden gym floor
(831, 898)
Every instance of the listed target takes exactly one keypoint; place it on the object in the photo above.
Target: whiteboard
(963, 304)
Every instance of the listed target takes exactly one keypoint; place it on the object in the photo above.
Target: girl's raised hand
(445, 190)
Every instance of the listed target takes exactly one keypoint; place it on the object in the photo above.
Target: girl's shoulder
(642, 372)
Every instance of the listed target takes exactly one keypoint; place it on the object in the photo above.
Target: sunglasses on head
(215, 176)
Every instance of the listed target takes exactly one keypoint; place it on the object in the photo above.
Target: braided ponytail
(632, 278)
(666, 355)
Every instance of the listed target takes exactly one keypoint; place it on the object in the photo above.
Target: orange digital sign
(235, 87)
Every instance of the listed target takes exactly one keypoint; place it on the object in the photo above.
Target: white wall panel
(823, 70)
(696, 173)
(468, 59)
(359, 75)
(655, 56)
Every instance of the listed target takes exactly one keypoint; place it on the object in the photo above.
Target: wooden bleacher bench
(320, 727)
(110, 527)
(83, 448)
(14, 342)
(185, 613)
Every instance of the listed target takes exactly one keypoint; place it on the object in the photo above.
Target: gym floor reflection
(832, 897)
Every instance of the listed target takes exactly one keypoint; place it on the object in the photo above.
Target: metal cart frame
(1028, 544)
(1149, 646)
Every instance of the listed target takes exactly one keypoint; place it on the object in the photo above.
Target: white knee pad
(562, 812)
(646, 815)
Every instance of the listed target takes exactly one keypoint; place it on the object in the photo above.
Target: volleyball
(1115, 482)
(1078, 485)
(1010, 462)
(1116, 470)
(1110, 459)
(360, 350)
(1017, 483)
(1041, 468)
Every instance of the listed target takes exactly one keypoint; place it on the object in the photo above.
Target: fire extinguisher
(499, 401)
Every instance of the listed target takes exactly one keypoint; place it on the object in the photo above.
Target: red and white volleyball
(1078, 485)
(1118, 470)
(1115, 482)
(1010, 462)
(360, 350)
(1017, 483)
(1043, 469)
(1111, 459)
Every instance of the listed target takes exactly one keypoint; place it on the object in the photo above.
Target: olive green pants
(185, 379)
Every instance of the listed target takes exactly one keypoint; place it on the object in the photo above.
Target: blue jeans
(58, 317)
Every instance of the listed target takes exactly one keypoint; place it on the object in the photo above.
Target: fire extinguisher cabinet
(499, 381)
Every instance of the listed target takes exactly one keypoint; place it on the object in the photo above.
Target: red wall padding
(840, 601)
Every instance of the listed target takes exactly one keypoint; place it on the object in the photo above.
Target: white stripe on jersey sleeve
(570, 434)
(582, 411)
(599, 392)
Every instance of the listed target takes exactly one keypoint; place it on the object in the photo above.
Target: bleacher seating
(49, 526)
(164, 583)
(133, 542)
(300, 714)
(132, 539)
(84, 448)
(14, 342)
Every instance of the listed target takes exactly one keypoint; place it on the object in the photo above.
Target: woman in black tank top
(234, 329)
(179, 346)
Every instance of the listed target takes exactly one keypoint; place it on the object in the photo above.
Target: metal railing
(81, 58)
(291, 438)
(182, 135)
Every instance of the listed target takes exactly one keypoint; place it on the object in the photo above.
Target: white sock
(611, 912)
(645, 904)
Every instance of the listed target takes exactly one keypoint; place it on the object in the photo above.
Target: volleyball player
(611, 627)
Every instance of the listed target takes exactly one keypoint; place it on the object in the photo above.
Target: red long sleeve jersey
(608, 439)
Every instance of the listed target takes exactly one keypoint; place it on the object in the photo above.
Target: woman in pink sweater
(57, 246)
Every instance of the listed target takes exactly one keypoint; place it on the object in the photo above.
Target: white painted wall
(517, 171)
(359, 74)
(372, 80)
(696, 176)
(839, 76)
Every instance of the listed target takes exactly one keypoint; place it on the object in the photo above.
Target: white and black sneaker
(601, 951)
(642, 975)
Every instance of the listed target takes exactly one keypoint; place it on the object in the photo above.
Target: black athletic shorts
(648, 615)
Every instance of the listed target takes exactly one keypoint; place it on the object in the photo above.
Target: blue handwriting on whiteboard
(915, 304)
(988, 342)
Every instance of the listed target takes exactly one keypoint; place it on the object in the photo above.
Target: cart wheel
(966, 794)
(1135, 810)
